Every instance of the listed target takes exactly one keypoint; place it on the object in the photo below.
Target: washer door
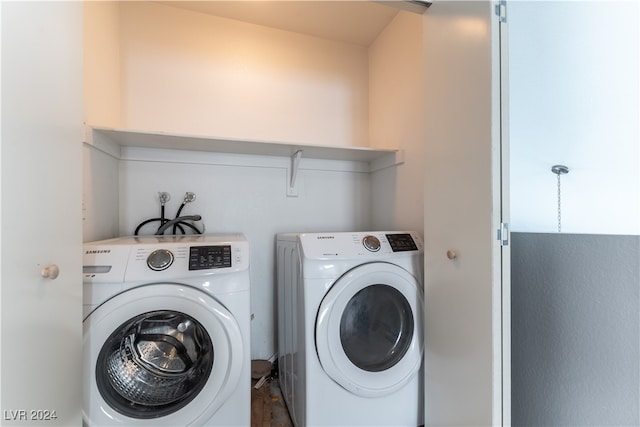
(369, 335)
(160, 354)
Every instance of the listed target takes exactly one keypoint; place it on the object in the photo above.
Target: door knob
(50, 271)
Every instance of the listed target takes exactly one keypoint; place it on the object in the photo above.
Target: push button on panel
(160, 259)
(371, 243)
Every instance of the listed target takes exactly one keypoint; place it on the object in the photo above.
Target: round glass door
(159, 355)
(369, 329)
(376, 328)
(154, 364)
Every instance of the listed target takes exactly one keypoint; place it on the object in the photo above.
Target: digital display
(207, 257)
(401, 242)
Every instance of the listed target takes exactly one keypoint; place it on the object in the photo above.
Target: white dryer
(350, 328)
(166, 331)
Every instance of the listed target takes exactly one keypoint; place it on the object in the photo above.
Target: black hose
(162, 218)
(143, 223)
(191, 226)
(180, 209)
(179, 225)
(179, 219)
(178, 214)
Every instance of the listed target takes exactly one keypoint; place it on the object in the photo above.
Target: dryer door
(160, 354)
(369, 335)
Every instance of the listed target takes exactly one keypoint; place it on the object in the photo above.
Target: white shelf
(112, 139)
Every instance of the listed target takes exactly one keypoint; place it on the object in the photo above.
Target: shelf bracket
(292, 191)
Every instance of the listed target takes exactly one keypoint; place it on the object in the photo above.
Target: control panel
(361, 244)
(206, 257)
(401, 242)
(166, 258)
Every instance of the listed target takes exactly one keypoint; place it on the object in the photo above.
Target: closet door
(466, 382)
(41, 317)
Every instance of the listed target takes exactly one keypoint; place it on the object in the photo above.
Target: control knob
(160, 259)
(371, 243)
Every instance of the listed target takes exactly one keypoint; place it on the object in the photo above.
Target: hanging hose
(162, 218)
(178, 220)
(188, 198)
(164, 221)
(178, 223)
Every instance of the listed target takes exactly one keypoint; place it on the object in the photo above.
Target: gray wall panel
(575, 330)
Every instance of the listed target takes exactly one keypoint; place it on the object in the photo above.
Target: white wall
(397, 79)
(188, 72)
(101, 62)
(574, 100)
(102, 106)
(100, 198)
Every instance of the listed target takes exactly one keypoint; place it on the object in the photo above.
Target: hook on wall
(292, 188)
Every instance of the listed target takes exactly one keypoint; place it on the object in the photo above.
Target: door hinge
(501, 11)
(503, 234)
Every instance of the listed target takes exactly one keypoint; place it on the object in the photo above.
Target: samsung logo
(325, 237)
(97, 251)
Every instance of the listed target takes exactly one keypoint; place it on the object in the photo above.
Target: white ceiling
(358, 22)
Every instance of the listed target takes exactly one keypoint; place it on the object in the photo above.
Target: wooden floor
(267, 406)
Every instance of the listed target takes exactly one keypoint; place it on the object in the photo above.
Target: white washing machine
(166, 331)
(350, 328)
